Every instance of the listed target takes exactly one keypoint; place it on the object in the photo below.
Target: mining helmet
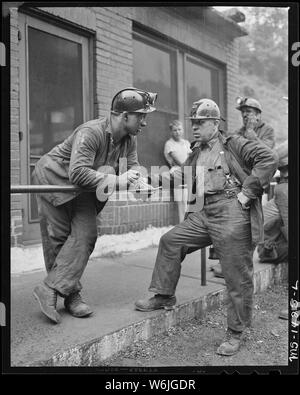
(205, 109)
(248, 102)
(133, 100)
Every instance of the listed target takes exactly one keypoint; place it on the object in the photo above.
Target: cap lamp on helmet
(205, 109)
(248, 102)
(133, 100)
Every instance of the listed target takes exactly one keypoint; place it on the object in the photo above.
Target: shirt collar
(209, 143)
(111, 139)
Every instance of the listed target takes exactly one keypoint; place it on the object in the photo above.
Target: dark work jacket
(79, 158)
(264, 133)
(253, 164)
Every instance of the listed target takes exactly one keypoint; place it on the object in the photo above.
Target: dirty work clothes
(265, 133)
(225, 224)
(69, 234)
(87, 158)
(252, 164)
(275, 227)
(281, 198)
(211, 159)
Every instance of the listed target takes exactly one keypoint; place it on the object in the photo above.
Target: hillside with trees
(264, 63)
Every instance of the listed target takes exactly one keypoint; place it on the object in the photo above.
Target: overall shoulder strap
(232, 159)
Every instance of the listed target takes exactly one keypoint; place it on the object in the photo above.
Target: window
(55, 89)
(202, 80)
(155, 71)
(179, 78)
(55, 94)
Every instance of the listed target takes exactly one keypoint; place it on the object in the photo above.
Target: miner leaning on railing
(68, 219)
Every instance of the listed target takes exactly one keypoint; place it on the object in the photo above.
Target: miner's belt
(228, 194)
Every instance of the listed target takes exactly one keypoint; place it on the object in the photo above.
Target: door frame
(31, 230)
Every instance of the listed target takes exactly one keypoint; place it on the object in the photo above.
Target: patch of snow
(27, 259)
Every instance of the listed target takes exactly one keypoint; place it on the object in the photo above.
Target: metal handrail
(72, 188)
(44, 188)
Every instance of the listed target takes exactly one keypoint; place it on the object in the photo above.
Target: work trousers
(181, 198)
(276, 225)
(69, 234)
(226, 225)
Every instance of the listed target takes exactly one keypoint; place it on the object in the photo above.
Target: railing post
(203, 266)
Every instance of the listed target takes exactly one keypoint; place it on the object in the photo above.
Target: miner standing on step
(228, 178)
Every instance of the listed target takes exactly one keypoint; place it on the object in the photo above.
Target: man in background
(253, 127)
(275, 246)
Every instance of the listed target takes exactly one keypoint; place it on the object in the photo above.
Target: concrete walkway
(110, 286)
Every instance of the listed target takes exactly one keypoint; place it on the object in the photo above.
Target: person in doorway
(176, 151)
(89, 158)
(228, 178)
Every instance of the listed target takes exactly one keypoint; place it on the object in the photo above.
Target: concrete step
(111, 287)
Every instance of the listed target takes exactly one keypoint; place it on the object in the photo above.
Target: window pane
(155, 71)
(55, 89)
(202, 82)
(198, 82)
(152, 139)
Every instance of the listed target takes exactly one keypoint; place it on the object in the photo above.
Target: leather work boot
(76, 306)
(267, 252)
(156, 302)
(218, 271)
(47, 298)
(231, 345)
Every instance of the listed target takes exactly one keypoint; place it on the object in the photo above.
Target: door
(54, 98)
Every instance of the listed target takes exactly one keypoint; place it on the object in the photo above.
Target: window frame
(151, 41)
(183, 53)
(211, 65)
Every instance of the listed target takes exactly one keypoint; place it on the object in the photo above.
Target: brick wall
(113, 61)
(114, 58)
(233, 86)
(123, 217)
(15, 201)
